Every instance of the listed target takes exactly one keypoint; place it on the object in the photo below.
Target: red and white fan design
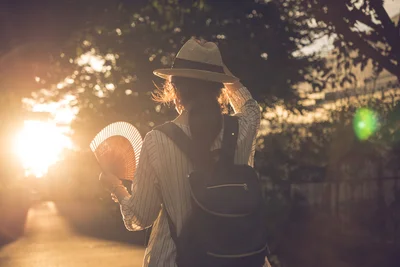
(117, 149)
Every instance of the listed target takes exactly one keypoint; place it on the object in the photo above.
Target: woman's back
(171, 167)
(194, 84)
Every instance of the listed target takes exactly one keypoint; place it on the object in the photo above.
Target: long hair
(205, 103)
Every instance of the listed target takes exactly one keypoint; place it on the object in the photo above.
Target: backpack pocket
(228, 192)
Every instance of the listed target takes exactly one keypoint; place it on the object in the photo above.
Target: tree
(362, 29)
(107, 65)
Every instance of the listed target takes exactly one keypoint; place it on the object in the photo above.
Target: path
(50, 242)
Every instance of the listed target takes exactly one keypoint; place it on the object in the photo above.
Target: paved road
(50, 242)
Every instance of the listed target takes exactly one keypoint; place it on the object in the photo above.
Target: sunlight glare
(39, 145)
(96, 62)
(65, 116)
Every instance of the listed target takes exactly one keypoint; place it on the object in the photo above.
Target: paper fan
(117, 149)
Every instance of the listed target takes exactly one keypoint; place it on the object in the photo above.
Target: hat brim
(196, 74)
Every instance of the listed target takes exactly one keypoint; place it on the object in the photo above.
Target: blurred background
(325, 72)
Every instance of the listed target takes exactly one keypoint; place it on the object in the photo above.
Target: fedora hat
(198, 60)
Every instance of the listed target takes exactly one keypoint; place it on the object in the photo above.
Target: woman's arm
(247, 110)
(140, 209)
(243, 103)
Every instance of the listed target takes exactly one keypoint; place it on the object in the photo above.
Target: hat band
(180, 63)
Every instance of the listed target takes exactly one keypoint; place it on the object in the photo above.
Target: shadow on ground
(99, 219)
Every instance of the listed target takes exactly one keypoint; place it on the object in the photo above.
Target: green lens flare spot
(365, 123)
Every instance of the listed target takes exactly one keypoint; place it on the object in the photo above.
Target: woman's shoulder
(157, 136)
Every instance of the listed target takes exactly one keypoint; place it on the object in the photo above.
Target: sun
(39, 145)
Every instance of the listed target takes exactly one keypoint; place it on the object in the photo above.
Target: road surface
(50, 242)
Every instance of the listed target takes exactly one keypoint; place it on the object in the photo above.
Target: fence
(365, 207)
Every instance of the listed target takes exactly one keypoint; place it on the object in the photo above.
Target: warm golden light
(39, 145)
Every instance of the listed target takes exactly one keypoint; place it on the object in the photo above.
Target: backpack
(226, 226)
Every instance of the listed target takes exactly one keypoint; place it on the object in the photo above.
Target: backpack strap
(184, 143)
(178, 136)
(229, 140)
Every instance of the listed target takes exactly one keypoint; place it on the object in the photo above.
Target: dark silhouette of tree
(136, 37)
(363, 32)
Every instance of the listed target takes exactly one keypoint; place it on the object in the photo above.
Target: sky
(392, 7)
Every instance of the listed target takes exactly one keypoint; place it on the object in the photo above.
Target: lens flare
(365, 123)
(39, 145)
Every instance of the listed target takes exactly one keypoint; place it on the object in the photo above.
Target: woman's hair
(205, 103)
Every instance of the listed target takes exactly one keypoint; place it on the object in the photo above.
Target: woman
(195, 85)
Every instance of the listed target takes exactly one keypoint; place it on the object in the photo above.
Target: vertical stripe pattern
(163, 169)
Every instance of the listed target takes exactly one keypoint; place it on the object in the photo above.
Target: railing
(361, 207)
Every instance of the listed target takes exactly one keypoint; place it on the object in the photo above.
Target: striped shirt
(163, 169)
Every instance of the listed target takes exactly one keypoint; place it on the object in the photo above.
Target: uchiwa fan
(117, 149)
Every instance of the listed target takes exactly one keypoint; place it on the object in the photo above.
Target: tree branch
(335, 17)
(368, 50)
(389, 29)
(361, 17)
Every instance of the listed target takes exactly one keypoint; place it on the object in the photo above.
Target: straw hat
(198, 60)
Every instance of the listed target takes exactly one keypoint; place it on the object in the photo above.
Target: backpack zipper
(245, 187)
(216, 213)
(238, 255)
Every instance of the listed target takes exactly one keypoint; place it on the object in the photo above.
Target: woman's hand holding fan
(117, 149)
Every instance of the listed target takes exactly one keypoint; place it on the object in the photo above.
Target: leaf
(364, 64)
(327, 71)
(331, 76)
(316, 86)
(353, 76)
